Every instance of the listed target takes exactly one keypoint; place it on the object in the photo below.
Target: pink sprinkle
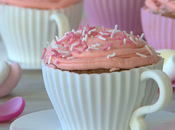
(66, 38)
(44, 53)
(88, 28)
(57, 42)
(53, 55)
(107, 45)
(92, 27)
(110, 44)
(66, 47)
(94, 33)
(72, 34)
(79, 43)
(86, 46)
(103, 29)
(130, 42)
(56, 52)
(70, 42)
(77, 51)
(123, 34)
(57, 62)
(80, 28)
(121, 43)
(105, 48)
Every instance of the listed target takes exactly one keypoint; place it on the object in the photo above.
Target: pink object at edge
(11, 109)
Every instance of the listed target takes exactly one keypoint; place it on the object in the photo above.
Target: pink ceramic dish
(159, 30)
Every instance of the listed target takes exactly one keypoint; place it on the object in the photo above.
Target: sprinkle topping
(92, 48)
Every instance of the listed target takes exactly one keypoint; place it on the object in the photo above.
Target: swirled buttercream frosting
(161, 6)
(41, 4)
(98, 48)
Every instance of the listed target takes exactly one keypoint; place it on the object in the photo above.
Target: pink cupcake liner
(109, 13)
(159, 30)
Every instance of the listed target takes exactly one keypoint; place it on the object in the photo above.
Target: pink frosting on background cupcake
(161, 6)
(41, 4)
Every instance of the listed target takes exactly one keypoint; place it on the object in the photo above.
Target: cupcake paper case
(101, 101)
(159, 30)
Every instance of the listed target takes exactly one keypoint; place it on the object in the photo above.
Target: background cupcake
(92, 74)
(27, 25)
(108, 13)
(158, 22)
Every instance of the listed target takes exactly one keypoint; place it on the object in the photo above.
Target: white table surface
(31, 88)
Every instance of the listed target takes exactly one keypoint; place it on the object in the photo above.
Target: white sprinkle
(84, 30)
(111, 55)
(65, 55)
(83, 39)
(61, 38)
(109, 47)
(89, 32)
(102, 38)
(131, 32)
(116, 26)
(79, 31)
(93, 45)
(49, 59)
(98, 44)
(94, 29)
(57, 46)
(124, 40)
(86, 36)
(48, 43)
(149, 49)
(72, 46)
(90, 47)
(63, 51)
(142, 35)
(56, 38)
(92, 36)
(166, 0)
(70, 57)
(112, 35)
(133, 40)
(104, 33)
(141, 55)
(136, 39)
(109, 30)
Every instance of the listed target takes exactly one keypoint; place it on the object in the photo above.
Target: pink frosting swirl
(160, 6)
(94, 48)
(41, 4)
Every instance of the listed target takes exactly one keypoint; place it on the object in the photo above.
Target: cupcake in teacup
(104, 79)
(25, 25)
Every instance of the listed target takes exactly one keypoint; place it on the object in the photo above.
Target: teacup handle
(137, 121)
(62, 23)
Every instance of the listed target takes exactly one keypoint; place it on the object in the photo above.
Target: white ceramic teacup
(108, 101)
(25, 31)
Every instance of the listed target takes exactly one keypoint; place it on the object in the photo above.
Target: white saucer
(48, 120)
